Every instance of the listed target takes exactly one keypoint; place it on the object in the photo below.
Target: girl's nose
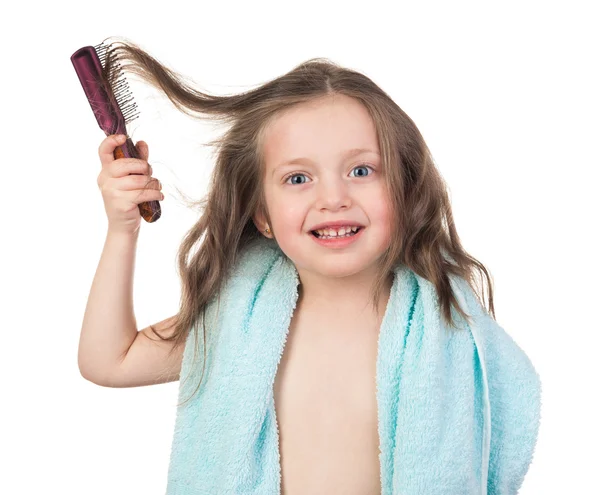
(333, 194)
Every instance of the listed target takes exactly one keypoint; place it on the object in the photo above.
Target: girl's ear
(260, 223)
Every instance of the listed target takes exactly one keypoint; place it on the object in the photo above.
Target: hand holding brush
(111, 100)
(125, 183)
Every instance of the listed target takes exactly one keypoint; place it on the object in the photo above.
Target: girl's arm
(112, 352)
(147, 361)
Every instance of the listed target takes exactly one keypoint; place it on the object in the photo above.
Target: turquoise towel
(458, 413)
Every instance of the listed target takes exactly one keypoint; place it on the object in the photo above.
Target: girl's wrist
(122, 234)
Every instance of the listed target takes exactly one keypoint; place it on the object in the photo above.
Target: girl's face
(326, 181)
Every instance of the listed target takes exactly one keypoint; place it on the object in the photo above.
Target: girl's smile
(338, 242)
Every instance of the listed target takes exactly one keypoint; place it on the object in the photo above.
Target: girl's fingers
(106, 149)
(125, 166)
(142, 149)
(137, 182)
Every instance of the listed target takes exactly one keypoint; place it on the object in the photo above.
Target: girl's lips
(338, 242)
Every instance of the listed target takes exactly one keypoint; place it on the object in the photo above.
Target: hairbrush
(113, 105)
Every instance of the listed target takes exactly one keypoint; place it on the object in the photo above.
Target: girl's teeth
(336, 236)
(330, 233)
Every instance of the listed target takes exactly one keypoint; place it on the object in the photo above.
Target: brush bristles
(119, 84)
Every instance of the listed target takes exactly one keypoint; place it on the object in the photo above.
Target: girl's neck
(347, 295)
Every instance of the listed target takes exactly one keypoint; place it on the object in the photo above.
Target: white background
(505, 94)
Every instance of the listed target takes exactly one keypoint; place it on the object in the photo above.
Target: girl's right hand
(123, 192)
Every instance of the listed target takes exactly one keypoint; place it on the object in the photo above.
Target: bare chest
(326, 407)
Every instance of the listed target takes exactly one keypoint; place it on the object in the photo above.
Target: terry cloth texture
(458, 412)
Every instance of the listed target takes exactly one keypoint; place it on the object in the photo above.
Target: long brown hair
(424, 236)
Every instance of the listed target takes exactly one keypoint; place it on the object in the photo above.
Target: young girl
(322, 172)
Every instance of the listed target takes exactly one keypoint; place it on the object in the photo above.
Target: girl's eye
(355, 168)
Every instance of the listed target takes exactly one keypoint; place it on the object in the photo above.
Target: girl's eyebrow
(347, 154)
